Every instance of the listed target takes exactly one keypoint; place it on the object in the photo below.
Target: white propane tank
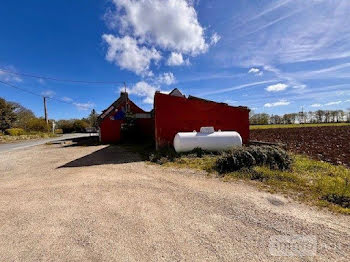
(207, 139)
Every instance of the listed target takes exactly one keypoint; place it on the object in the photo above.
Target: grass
(310, 181)
(29, 136)
(253, 127)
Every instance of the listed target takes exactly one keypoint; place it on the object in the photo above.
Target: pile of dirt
(330, 143)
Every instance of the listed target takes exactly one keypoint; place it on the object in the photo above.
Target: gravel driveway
(102, 203)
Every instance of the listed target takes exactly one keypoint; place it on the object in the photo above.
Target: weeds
(26, 136)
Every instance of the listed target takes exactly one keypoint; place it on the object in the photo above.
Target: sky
(272, 56)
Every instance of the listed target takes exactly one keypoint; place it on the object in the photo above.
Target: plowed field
(331, 143)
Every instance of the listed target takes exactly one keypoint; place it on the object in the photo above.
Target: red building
(122, 118)
(173, 113)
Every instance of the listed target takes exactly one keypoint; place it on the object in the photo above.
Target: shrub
(272, 156)
(15, 131)
(278, 159)
(37, 124)
(234, 160)
(259, 153)
(247, 157)
(80, 125)
(163, 155)
(59, 131)
(199, 152)
(65, 125)
(341, 200)
(73, 125)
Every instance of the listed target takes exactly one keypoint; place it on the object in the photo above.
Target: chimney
(124, 94)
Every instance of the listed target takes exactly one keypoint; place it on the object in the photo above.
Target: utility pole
(45, 112)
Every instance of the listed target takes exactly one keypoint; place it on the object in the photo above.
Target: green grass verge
(310, 181)
(253, 127)
(30, 136)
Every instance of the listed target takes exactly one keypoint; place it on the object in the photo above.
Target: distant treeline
(15, 116)
(319, 116)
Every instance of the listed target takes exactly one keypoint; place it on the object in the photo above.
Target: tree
(340, 115)
(7, 115)
(80, 125)
(289, 118)
(260, 119)
(65, 125)
(310, 117)
(319, 114)
(38, 124)
(327, 115)
(24, 116)
(93, 118)
(275, 119)
(73, 125)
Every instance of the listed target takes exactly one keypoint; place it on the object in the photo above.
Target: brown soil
(331, 143)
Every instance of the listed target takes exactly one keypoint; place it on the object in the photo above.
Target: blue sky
(273, 56)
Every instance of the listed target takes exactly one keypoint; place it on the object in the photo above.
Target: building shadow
(82, 141)
(111, 154)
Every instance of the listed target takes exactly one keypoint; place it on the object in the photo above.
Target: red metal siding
(110, 130)
(177, 114)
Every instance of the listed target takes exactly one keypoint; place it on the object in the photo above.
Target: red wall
(178, 114)
(110, 130)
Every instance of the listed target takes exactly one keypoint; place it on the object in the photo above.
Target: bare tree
(260, 119)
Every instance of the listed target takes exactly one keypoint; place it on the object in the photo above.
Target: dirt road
(102, 203)
(29, 143)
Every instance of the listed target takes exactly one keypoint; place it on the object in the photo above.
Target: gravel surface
(102, 203)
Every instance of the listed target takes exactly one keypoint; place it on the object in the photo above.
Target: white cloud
(48, 93)
(333, 103)
(67, 99)
(289, 79)
(169, 24)
(234, 88)
(84, 106)
(145, 90)
(255, 71)
(279, 103)
(294, 31)
(316, 105)
(231, 102)
(276, 88)
(8, 77)
(337, 71)
(166, 78)
(329, 103)
(126, 53)
(176, 59)
(215, 38)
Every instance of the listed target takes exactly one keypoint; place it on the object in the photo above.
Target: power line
(60, 79)
(36, 94)
(19, 88)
